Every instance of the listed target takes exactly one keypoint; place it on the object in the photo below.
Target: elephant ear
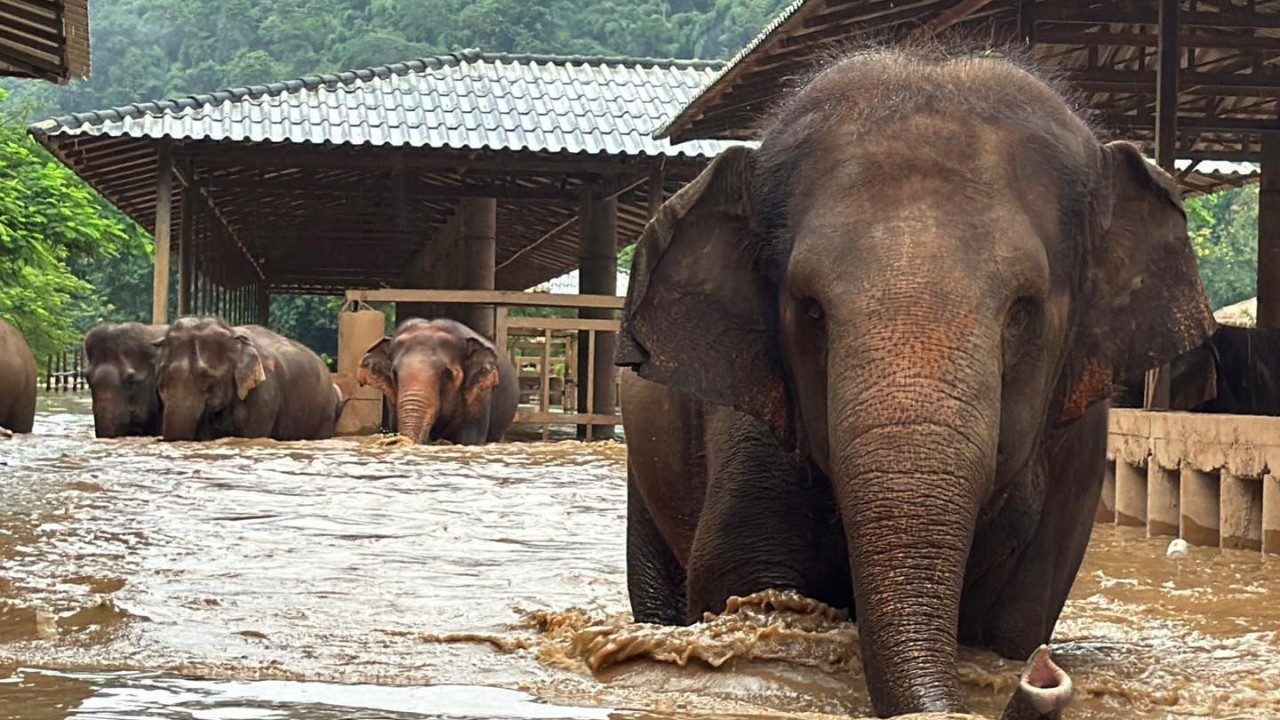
(375, 370)
(249, 373)
(700, 315)
(479, 372)
(1143, 303)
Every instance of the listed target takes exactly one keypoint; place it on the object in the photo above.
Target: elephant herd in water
(202, 379)
(869, 360)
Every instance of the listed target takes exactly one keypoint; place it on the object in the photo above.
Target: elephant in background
(1236, 371)
(216, 381)
(908, 306)
(444, 381)
(17, 382)
(120, 368)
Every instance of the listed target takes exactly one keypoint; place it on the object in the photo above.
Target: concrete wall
(1209, 479)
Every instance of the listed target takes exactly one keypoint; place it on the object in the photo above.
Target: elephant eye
(812, 309)
(1020, 316)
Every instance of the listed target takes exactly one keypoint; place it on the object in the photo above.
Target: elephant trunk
(914, 429)
(1043, 691)
(110, 413)
(181, 419)
(417, 408)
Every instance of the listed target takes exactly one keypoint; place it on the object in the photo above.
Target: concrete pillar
(1131, 494)
(1271, 514)
(1240, 515)
(164, 210)
(1269, 234)
(1163, 516)
(460, 255)
(359, 328)
(597, 275)
(1107, 501)
(1198, 497)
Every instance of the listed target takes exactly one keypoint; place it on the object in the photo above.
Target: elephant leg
(1026, 609)
(655, 577)
(756, 531)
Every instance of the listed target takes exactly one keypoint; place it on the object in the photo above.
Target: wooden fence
(544, 350)
(64, 372)
(1213, 480)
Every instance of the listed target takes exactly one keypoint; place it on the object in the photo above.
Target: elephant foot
(1043, 691)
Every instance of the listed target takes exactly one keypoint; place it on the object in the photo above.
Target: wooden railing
(64, 372)
(1213, 480)
(544, 350)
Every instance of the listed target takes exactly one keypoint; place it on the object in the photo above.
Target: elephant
(872, 356)
(17, 383)
(444, 381)
(120, 368)
(1236, 371)
(216, 381)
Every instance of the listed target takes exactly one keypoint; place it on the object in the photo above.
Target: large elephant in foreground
(216, 380)
(444, 380)
(120, 368)
(17, 382)
(915, 295)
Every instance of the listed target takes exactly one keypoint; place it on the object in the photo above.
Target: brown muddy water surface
(342, 579)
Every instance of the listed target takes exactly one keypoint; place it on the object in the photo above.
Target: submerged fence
(64, 372)
(1213, 480)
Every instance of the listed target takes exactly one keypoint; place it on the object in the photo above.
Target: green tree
(1224, 233)
(49, 220)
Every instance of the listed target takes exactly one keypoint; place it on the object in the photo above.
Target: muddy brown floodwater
(342, 579)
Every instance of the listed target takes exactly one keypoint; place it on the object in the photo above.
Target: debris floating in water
(1178, 548)
(396, 440)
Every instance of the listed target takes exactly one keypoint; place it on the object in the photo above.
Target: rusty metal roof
(466, 101)
(44, 39)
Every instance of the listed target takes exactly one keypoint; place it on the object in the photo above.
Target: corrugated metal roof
(45, 39)
(467, 100)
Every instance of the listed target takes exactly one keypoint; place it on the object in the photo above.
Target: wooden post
(478, 243)
(1269, 234)
(164, 208)
(1156, 395)
(185, 231)
(597, 275)
(1026, 21)
(655, 192)
(264, 304)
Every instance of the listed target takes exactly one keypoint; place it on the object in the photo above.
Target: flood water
(344, 579)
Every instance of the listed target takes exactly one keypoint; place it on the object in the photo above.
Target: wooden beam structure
(1156, 395)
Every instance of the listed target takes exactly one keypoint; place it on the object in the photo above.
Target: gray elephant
(17, 382)
(120, 368)
(876, 353)
(216, 381)
(444, 380)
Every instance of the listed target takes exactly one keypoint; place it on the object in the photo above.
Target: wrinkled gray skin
(17, 382)
(218, 381)
(916, 293)
(120, 367)
(444, 381)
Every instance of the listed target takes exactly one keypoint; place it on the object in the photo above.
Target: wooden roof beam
(1133, 39)
(1227, 19)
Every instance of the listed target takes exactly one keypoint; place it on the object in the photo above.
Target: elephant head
(120, 369)
(433, 373)
(926, 265)
(204, 367)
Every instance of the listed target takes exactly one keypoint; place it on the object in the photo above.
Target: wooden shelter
(1197, 80)
(467, 171)
(44, 39)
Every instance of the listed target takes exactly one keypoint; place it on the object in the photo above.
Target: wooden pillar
(1269, 234)
(1026, 21)
(1156, 395)
(264, 304)
(597, 275)
(478, 243)
(185, 229)
(164, 209)
(656, 180)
